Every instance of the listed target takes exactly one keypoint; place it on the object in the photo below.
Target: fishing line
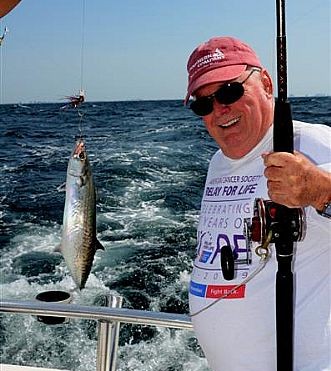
(82, 51)
(263, 251)
(80, 125)
(1, 70)
(82, 54)
(1, 61)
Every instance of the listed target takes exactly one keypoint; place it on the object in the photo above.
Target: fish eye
(82, 156)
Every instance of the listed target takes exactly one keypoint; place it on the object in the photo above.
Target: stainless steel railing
(108, 338)
(109, 319)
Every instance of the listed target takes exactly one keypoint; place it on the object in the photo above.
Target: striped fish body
(79, 242)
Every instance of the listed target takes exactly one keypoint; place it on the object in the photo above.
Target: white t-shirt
(238, 332)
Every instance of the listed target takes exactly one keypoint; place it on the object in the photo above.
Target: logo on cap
(206, 61)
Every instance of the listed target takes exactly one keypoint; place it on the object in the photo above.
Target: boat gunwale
(105, 314)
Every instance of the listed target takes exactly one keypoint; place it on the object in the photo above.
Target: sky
(138, 49)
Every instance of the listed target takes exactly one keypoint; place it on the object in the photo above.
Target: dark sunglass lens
(202, 106)
(229, 93)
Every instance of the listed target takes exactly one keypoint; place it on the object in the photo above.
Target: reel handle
(227, 262)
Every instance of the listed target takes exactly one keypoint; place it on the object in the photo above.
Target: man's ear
(267, 82)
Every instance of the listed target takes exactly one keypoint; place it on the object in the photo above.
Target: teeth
(230, 123)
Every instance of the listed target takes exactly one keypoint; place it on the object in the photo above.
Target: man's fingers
(279, 159)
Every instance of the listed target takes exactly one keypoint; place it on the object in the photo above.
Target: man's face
(238, 127)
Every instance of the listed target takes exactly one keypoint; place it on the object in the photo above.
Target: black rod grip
(283, 127)
(284, 314)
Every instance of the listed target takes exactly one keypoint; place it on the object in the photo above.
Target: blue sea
(149, 160)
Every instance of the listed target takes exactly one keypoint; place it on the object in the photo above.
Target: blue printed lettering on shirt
(205, 256)
(197, 289)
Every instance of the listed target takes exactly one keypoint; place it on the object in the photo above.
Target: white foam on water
(34, 238)
(168, 350)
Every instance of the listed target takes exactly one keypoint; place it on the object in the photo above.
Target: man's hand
(294, 181)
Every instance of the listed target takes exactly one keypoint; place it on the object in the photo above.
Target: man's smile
(230, 123)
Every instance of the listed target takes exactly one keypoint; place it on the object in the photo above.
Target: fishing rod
(285, 225)
(283, 125)
(288, 224)
(283, 142)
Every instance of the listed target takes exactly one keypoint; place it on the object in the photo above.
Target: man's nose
(220, 109)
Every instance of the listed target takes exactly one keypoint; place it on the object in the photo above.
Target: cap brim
(216, 75)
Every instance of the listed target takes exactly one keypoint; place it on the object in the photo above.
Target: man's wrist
(325, 210)
(320, 190)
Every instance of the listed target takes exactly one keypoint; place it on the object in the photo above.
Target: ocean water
(149, 160)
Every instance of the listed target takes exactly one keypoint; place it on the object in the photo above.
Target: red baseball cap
(219, 59)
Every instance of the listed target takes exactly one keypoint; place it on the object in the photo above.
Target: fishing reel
(280, 220)
(267, 216)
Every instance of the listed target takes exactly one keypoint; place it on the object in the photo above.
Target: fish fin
(82, 180)
(98, 245)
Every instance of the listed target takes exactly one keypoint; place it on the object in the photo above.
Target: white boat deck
(4, 367)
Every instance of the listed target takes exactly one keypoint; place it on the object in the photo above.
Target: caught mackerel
(79, 242)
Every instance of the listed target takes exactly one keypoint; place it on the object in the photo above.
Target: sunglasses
(228, 93)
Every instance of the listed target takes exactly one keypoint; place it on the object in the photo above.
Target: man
(233, 93)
